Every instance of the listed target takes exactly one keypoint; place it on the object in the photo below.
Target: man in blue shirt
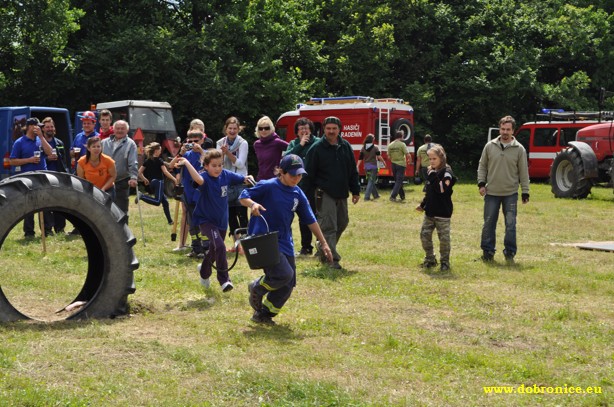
(78, 148)
(27, 156)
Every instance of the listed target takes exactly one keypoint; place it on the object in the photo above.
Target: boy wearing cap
(26, 156)
(331, 166)
(277, 200)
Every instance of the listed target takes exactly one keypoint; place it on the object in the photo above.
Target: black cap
(33, 121)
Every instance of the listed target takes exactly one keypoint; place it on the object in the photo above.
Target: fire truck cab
(360, 116)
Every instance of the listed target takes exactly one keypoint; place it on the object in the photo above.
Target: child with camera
(211, 212)
(192, 151)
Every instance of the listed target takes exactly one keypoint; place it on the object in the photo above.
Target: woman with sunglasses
(269, 148)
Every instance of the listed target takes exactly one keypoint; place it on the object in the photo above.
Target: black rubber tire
(169, 188)
(406, 127)
(567, 176)
(107, 238)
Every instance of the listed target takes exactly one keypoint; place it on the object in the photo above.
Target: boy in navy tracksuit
(277, 200)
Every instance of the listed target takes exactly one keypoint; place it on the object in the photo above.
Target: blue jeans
(371, 184)
(509, 205)
(398, 173)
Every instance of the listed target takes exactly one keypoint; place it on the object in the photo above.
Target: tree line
(460, 64)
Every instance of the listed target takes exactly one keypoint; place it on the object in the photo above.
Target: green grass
(381, 331)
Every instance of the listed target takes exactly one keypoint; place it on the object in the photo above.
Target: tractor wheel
(102, 225)
(567, 176)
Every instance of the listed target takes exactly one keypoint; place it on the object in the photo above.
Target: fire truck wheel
(102, 225)
(567, 176)
(406, 127)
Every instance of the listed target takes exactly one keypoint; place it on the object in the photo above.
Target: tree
(33, 38)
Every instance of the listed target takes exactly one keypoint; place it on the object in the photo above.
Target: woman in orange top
(97, 168)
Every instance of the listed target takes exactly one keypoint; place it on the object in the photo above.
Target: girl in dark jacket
(437, 207)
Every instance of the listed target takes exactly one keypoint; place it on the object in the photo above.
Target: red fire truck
(360, 116)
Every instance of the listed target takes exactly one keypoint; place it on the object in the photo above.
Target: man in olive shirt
(422, 160)
(398, 155)
(332, 175)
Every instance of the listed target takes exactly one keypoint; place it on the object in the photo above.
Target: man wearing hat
(88, 121)
(26, 156)
(331, 166)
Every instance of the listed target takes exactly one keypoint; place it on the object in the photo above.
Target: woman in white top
(234, 150)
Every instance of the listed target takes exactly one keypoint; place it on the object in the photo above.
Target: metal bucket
(261, 250)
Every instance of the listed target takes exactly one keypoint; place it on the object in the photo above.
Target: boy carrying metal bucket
(277, 200)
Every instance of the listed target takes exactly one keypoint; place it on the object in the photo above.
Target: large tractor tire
(102, 225)
(568, 175)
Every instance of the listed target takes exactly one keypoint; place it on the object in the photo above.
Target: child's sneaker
(227, 286)
(205, 282)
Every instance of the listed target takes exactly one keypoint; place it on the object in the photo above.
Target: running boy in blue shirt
(211, 213)
(277, 200)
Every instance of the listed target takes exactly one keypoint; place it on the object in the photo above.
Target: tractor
(585, 162)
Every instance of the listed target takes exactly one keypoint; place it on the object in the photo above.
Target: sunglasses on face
(194, 141)
(264, 128)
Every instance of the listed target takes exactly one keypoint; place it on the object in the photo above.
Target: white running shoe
(227, 286)
(205, 282)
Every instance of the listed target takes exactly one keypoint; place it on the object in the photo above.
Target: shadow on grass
(327, 273)
(437, 274)
(494, 264)
(61, 325)
(277, 332)
(200, 304)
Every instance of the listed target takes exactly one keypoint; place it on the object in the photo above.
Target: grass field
(380, 332)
